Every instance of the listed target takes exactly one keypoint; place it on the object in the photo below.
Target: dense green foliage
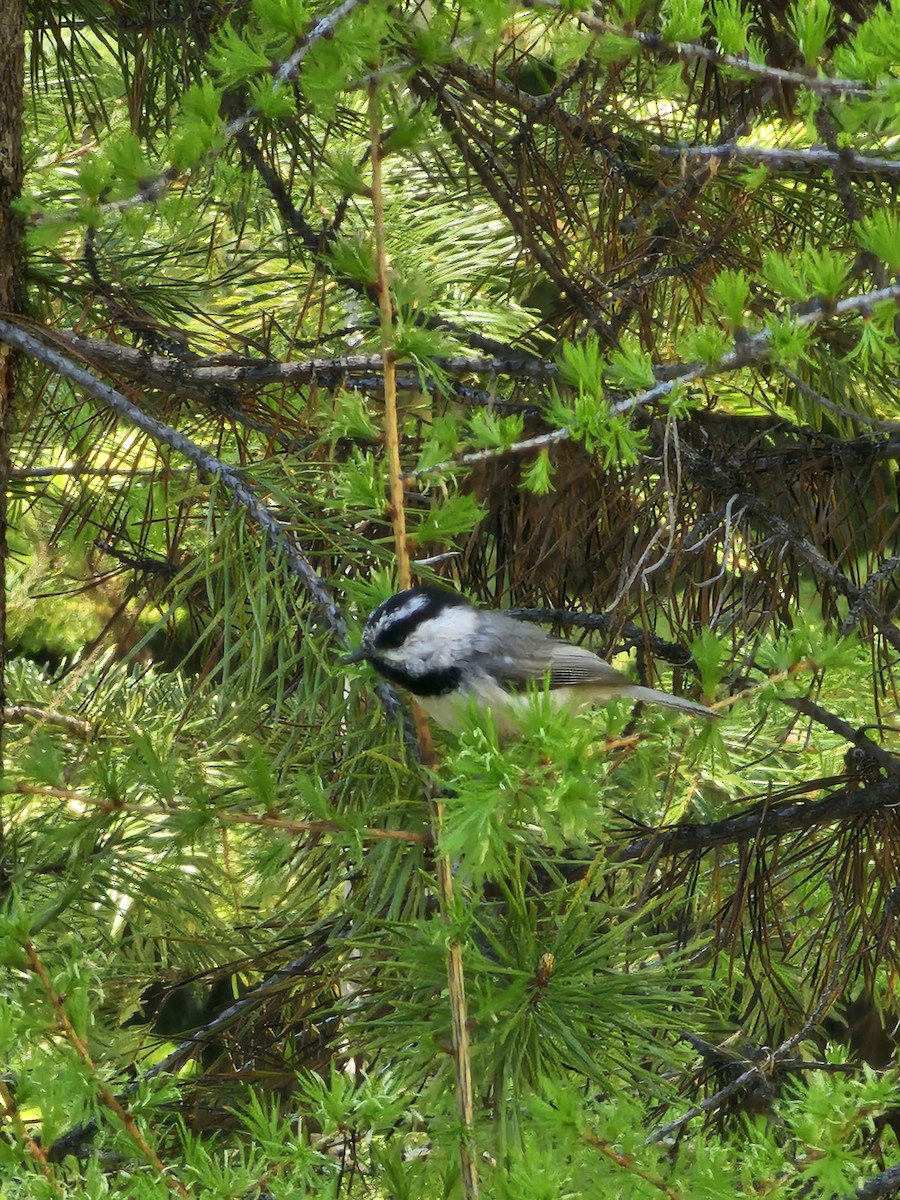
(643, 312)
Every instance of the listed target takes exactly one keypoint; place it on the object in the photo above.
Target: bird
(448, 653)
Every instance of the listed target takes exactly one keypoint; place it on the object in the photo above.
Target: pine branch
(691, 51)
(776, 820)
(279, 539)
(761, 1070)
(813, 160)
(751, 350)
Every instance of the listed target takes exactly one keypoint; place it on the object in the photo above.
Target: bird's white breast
(506, 707)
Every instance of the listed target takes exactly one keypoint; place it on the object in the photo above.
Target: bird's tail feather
(652, 696)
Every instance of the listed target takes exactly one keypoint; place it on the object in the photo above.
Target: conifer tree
(590, 313)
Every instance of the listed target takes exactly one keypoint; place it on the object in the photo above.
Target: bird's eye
(394, 632)
(392, 637)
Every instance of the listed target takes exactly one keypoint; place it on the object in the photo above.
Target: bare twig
(863, 603)
(14, 713)
(761, 1070)
(812, 158)
(386, 315)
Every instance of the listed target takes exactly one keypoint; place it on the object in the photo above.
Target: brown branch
(579, 128)
(292, 217)
(627, 1163)
(847, 804)
(890, 762)
(226, 817)
(34, 1147)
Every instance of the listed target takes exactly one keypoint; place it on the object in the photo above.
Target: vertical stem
(386, 313)
(11, 1112)
(12, 99)
(104, 1091)
(455, 973)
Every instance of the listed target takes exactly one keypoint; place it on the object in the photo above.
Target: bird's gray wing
(520, 654)
(573, 665)
(516, 654)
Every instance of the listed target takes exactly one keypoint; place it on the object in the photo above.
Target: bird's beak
(358, 655)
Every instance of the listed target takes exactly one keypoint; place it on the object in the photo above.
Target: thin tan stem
(628, 1164)
(455, 971)
(35, 1149)
(386, 313)
(225, 817)
(107, 1097)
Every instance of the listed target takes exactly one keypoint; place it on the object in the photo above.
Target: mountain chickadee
(438, 646)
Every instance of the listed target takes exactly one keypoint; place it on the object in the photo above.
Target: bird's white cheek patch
(443, 641)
